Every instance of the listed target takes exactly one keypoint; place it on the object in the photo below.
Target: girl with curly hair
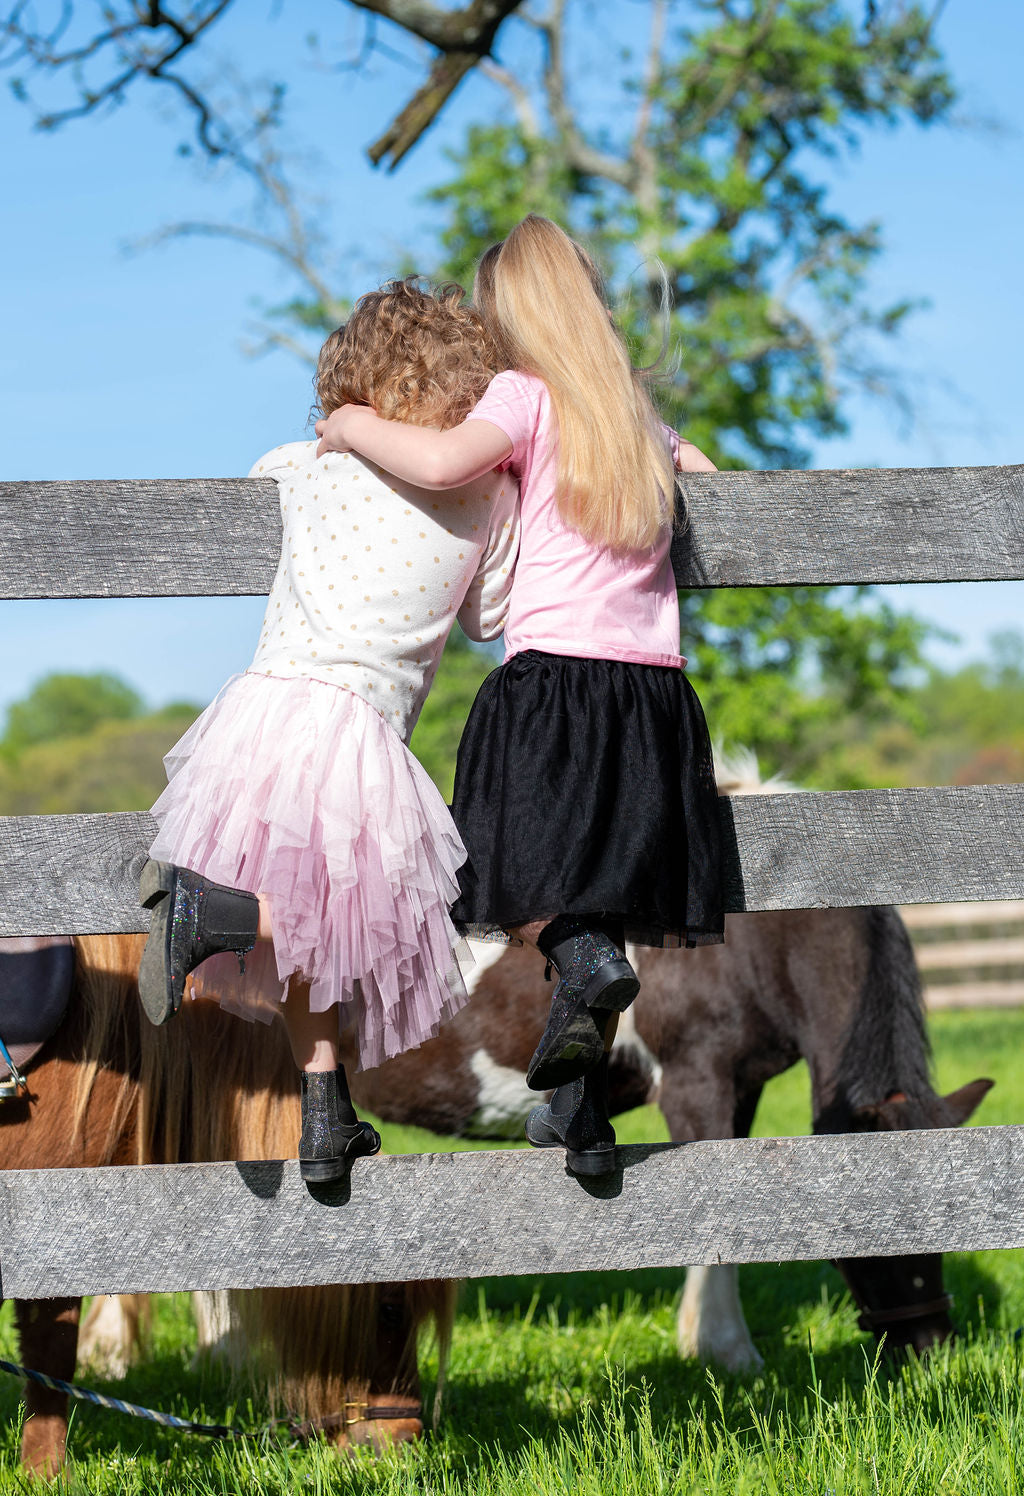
(296, 825)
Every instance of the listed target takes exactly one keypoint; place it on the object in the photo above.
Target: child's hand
(332, 431)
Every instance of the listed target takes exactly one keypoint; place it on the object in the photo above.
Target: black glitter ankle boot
(332, 1134)
(576, 1119)
(594, 981)
(192, 919)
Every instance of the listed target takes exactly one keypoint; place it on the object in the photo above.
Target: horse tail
(887, 1050)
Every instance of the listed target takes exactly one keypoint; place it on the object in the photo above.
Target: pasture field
(572, 1387)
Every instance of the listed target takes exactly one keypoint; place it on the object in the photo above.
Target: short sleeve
(512, 402)
(673, 443)
(484, 610)
(276, 462)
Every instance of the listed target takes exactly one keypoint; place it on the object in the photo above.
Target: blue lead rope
(85, 1394)
(16, 1076)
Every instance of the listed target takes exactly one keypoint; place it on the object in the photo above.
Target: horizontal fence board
(975, 995)
(938, 916)
(949, 955)
(170, 1228)
(78, 874)
(220, 536)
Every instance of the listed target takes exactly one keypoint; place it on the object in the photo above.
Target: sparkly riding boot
(576, 1119)
(594, 981)
(192, 919)
(332, 1134)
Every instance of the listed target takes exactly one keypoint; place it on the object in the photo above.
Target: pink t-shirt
(570, 597)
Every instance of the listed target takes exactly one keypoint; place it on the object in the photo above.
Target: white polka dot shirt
(373, 573)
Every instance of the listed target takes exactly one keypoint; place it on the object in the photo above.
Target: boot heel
(591, 1161)
(155, 882)
(617, 990)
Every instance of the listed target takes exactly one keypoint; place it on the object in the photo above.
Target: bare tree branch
(131, 40)
(579, 155)
(463, 37)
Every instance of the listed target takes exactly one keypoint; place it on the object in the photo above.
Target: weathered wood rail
(188, 1226)
(249, 1225)
(960, 947)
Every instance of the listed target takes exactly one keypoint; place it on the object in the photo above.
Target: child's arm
(691, 459)
(430, 459)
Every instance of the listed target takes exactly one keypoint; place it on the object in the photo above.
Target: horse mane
(737, 772)
(108, 1037)
(210, 1086)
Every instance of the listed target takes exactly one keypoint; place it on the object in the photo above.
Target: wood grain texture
(851, 525)
(220, 536)
(169, 1228)
(77, 875)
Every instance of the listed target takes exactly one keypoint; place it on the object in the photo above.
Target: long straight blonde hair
(542, 299)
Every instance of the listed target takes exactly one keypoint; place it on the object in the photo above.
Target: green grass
(572, 1385)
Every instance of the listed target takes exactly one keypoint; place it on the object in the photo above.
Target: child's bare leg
(531, 933)
(312, 1036)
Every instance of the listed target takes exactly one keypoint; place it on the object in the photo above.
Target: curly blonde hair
(414, 354)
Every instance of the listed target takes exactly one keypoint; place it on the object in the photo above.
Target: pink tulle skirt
(298, 790)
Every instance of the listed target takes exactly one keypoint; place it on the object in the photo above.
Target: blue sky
(116, 363)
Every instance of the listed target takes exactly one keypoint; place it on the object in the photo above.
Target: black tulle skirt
(588, 787)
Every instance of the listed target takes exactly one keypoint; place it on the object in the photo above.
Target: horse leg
(394, 1381)
(110, 1332)
(711, 1326)
(47, 1341)
(218, 1334)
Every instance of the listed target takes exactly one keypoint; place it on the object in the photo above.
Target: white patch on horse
(504, 1102)
(218, 1329)
(110, 1334)
(627, 1038)
(711, 1326)
(483, 953)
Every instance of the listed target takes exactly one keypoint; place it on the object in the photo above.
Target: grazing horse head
(904, 1298)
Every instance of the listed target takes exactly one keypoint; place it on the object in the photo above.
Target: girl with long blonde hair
(296, 827)
(585, 788)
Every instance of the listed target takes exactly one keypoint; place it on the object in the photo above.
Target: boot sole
(589, 1161)
(156, 989)
(577, 1045)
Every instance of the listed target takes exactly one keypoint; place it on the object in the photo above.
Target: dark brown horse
(838, 988)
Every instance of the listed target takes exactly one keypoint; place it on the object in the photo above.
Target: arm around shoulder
(417, 454)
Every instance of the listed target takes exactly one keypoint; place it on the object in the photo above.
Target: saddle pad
(36, 972)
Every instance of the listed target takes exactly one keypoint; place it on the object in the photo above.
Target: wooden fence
(970, 955)
(247, 1225)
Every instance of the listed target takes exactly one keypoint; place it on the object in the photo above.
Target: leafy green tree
(66, 706)
(709, 160)
(704, 148)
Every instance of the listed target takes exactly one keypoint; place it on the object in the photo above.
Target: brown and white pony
(110, 1089)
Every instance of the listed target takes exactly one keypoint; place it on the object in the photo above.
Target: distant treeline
(88, 742)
